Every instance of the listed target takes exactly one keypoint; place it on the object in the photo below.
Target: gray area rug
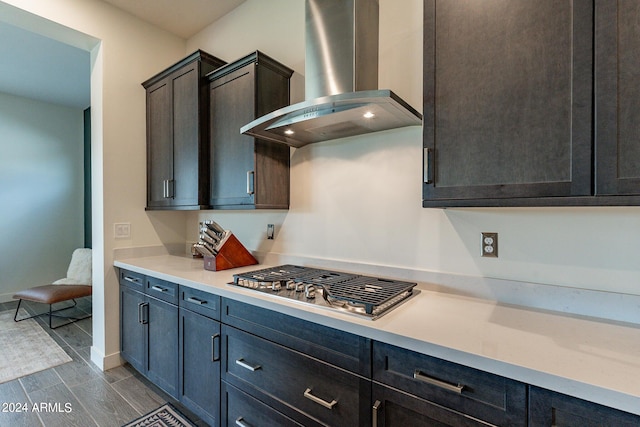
(164, 416)
(26, 348)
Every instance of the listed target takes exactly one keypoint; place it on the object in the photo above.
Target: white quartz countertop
(588, 358)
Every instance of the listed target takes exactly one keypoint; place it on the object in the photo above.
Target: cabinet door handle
(195, 300)
(170, 188)
(143, 313)
(240, 422)
(167, 188)
(324, 403)
(420, 376)
(215, 347)
(374, 418)
(245, 365)
(427, 158)
(159, 289)
(250, 180)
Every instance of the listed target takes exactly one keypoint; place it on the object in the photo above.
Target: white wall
(359, 199)
(41, 191)
(125, 51)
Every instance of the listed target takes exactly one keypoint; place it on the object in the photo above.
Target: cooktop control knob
(309, 291)
(275, 286)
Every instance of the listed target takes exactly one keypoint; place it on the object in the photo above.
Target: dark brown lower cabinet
(548, 408)
(149, 333)
(236, 364)
(200, 365)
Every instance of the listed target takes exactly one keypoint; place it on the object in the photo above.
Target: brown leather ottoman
(51, 294)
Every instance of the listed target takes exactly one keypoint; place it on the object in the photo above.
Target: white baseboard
(105, 362)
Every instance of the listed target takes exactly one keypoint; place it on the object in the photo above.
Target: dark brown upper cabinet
(246, 172)
(519, 110)
(178, 134)
(617, 100)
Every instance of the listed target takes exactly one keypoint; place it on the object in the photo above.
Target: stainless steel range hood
(341, 81)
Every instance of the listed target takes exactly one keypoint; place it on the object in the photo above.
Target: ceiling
(183, 18)
(38, 67)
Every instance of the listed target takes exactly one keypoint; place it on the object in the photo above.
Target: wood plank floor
(78, 394)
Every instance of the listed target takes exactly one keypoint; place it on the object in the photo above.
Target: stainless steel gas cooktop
(365, 296)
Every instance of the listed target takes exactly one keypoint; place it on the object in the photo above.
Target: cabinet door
(547, 408)
(159, 143)
(132, 331)
(162, 351)
(186, 138)
(232, 99)
(393, 408)
(507, 100)
(617, 97)
(200, 365)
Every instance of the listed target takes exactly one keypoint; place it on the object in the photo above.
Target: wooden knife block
(232, 254)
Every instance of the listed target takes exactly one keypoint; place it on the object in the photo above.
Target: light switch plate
(122, 230)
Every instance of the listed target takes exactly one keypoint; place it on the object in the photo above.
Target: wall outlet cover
(489, 244)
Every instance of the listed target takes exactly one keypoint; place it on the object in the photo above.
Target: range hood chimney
(342, 98)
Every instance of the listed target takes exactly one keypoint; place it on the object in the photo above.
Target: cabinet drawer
(161, 289)
(486, 396)
(345, 350)
(551, 408)
(201, 302)
(394, 408)
(240, 409)
(294, 384)
(132, 280)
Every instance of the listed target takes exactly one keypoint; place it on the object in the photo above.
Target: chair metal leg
(15, 316)
(51, 314)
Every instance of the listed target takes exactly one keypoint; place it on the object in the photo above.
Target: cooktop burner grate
(281, 273)
(369, 295)
(370, 292)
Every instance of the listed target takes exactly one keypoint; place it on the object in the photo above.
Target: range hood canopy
(341, 81)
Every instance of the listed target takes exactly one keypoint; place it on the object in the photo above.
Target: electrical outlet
(270, 231)
(489, 245)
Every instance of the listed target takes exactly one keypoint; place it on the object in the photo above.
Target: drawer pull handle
(240, 422)
(328, 405)
(418, 375)
(196, 301)
(132, 279)
(245, 365)
(159, 289)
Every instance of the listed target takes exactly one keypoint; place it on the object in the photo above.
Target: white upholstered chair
(77, 284)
